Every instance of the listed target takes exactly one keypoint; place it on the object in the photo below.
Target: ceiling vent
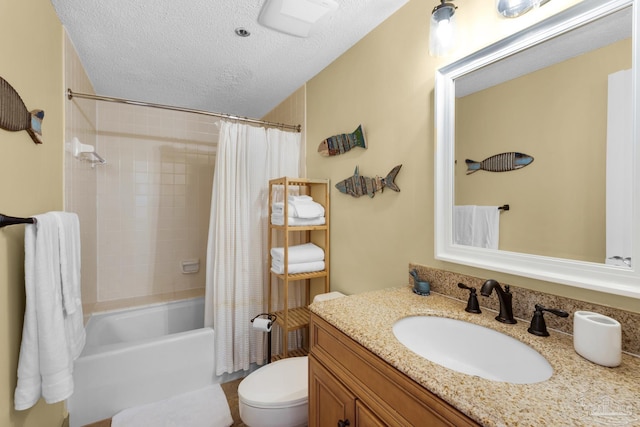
(295, 17)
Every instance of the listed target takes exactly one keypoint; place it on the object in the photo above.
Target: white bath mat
(206, 407)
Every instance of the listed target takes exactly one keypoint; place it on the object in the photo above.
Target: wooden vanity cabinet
(335, 404)
(348, 383)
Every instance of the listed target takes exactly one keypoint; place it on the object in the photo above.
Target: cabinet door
(365, 417)
(329, 401)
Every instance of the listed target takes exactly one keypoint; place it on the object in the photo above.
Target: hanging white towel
(486, 227)
(307, 252)
(51, 339)
(477, 226)
(463, 224)
(69, 235)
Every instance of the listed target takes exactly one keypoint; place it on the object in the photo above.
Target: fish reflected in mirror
(503, 162)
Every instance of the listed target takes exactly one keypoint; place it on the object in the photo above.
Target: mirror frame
(587, 275)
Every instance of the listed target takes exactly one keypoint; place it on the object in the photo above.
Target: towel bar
(503, 208)
(11, 220)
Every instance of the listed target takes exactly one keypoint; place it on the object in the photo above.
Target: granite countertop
(579, 393)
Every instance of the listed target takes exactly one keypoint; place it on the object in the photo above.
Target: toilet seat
(280, 384)
(276, 395)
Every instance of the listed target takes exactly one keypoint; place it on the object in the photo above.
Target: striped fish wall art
(14, 115)
(503, 162)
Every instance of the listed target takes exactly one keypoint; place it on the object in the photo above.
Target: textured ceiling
(186, 53)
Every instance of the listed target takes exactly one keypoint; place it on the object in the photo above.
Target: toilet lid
(277, 385)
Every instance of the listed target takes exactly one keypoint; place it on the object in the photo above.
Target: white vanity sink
(472, 349)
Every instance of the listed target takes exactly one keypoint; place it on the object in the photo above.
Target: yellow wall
(559, 117)
(30, 176)
(385, 82)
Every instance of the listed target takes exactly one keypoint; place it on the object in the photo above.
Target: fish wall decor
(14, 115)
(503, 162)
(357, 185)
(340, 144)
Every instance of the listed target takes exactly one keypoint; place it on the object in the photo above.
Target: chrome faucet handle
(538, 325)
(473, 306)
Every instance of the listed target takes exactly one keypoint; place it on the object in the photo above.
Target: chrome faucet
(504, 296)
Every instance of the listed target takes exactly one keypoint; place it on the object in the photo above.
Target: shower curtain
(237, 254)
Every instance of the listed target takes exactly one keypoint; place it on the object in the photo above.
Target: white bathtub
(142, 355)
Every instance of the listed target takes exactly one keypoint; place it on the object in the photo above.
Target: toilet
(276, 395)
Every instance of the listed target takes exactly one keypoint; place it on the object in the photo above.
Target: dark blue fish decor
(357, 185)
(340, 144)
(14, 115)
(500, 163)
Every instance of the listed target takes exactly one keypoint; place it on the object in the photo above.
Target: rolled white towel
(302, 267)
(307, 252)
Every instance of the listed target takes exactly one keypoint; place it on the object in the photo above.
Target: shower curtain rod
(71, 94)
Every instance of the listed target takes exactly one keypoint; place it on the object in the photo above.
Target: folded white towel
(299, 209)
(302, 267)
(279, 220)
(49, 340)
(307, 209)
(301, 198)
(306, 252)
(207, 407)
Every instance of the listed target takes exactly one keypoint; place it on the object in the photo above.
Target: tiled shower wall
(147, 209)
(80, 178)
(153, 202)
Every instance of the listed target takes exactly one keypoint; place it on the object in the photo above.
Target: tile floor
(230, 390)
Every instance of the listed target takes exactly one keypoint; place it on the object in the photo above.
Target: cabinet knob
(343, 423)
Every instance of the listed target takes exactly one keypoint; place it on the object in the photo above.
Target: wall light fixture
(515, 8)
(442, 32)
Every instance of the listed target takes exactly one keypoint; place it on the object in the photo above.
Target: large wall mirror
(562, 93)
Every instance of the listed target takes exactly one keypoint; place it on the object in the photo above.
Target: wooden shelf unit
(294, 318)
